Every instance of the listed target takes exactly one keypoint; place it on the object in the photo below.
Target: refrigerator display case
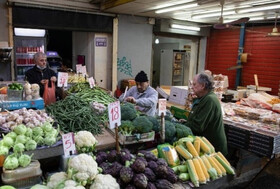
(25, 48)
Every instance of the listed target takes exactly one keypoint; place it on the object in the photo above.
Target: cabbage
(7, 187)
(31, 145)
(49, 141)
(20, 129)
(4, 150)
(11, 162)
(18, 148)
(53, 133)
(20, 139)
(39, 186)
(8, 141)
(37, 131)
(39, 140)
(24, 160)
(12, 134)
(47, 127)
(28, 132)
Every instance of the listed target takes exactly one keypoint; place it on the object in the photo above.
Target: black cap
(141, 77)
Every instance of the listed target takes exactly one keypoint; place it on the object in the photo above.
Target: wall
(4, 32)
(134, 47)
(263, 58)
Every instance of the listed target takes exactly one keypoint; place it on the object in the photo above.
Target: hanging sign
(161, 106)
(114, 112)
(62, 79)
(68, 144)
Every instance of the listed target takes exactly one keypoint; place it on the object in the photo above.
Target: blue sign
(101, 42)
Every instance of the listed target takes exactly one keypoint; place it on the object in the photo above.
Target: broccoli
(170, 131)
(128, 111)
(126, 127)
(142, 124)
(156, 125)
(182, 130)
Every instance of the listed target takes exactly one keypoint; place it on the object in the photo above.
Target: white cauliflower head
(105, 182)
(71, 184)
(85, 141)
(82, 169)
(56, 178)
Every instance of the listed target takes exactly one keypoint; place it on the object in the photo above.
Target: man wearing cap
(142, 95)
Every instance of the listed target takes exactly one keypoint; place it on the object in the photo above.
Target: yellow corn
(191, 149)
(224, 172)
(204, 146)
(192, 172)
(209, 144)
(183, 152)
(196, 144)
(206, 162)
(168, 155)
(215, 166)
(223, 158)
(204, 169)
(199, 171)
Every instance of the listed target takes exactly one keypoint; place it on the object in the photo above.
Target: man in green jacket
(205, 118)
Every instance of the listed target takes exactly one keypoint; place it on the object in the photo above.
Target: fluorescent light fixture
(184, 27)
(259, 8)
(30, 32)
(172, 4)
(179, 7)
(213, 14)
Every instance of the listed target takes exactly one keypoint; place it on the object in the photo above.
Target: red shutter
(263, 58)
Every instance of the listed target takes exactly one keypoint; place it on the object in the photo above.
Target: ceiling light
(30, 32)
(157, 41)
(176, 8)
(259, 8)
(172, 4)
(213, 14)
(184, 27)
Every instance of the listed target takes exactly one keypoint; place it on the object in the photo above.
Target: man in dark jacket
(205, 118)
(40, 73)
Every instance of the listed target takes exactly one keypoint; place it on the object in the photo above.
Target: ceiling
(198, 11)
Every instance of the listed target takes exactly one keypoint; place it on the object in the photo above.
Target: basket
(15, 95)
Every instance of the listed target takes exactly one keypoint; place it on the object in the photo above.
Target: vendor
(205, 118)
(40, 73)
(142, 95)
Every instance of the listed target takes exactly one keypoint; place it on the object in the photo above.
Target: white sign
(62, 79)
(114, 111)
(91, 82)
(79, 68)
(161, 106)
(68, 144)
(84, 70)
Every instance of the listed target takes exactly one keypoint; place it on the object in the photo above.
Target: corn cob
(224, 172)
(191, 149)
(169, 157)
(206, 162)
(212, 149)
(227, 167)
(203, 167)
(223, 158)
(199, 171)
(192, 172)
(183, 152)
(213, 173)
(196, 144)
(204, 146)
(213, 164)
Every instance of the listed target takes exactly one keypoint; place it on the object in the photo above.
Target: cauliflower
(71, 184)
(82, 169)
(56, 179)
(85, 141)
(104, 182)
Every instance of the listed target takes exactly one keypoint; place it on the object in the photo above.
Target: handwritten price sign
(62, 79)
(161, 106)
(79, 68)
(114, 112)
(68, 144)
(84, 70)
(91, 82)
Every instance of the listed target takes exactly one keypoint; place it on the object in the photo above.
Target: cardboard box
(179, 113)
(179, 94)
(136, 138)
(162, 92)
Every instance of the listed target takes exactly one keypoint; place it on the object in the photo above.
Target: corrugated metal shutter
(263, 58)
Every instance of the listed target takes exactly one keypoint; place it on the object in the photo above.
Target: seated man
(142, 95)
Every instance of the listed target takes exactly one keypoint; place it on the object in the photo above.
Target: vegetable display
(15, 86)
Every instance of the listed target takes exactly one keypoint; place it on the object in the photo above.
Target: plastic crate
(15, 95)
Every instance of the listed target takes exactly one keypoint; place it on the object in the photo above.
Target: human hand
(130, 99)
(43, 81)
(182, 120)
(53, 78)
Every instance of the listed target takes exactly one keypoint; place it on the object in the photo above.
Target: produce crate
(179, 113)
(15, 95)
(136, 138)
(14, 105)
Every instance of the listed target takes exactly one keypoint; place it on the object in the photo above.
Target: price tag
(68, 144)
(91, 82)
(161, 106)
(84, 70)
(79, 68)
(62, 79)
(114, 112)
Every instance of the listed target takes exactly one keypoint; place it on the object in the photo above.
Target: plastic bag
(168, 152)
(49, 93)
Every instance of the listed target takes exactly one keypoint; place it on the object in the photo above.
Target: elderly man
(205, 118)
(40, 73)
(142, 95)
